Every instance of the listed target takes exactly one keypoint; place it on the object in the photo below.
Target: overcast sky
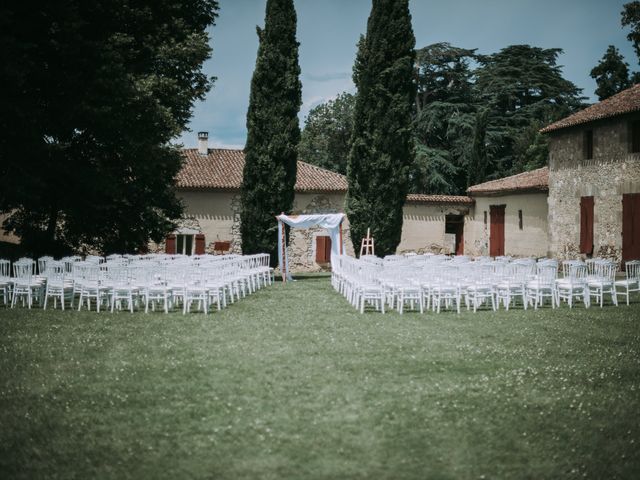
(329, 29)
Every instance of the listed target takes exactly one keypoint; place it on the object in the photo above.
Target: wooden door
(455, 224)
(496, 231)
(323, 249)
(631, 227)
(586, 225)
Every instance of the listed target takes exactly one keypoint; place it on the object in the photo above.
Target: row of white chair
(436, 282)
(135, 281)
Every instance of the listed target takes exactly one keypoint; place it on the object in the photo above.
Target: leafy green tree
(521, 85)
(381, 151)
(477, 170)
(611, 74)
(273, 132)
(327, 133)
(444, 119)
(93, 93)
(631, 18)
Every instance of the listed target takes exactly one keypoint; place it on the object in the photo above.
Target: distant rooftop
(221, 169)
(627, 101)
(444, 199)
(533, 181)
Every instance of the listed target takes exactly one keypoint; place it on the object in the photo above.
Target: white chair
(25, 286)
(632, 281)
(91, 284)
(57, 285)
(446, 290)
(479, 284)
(603, 282)
(156, 288)
(120, 288)
(195, 290)
(511, 286)
(5, 280)
(409, 293)
(543, 285)
(573, 285)
(42, 264)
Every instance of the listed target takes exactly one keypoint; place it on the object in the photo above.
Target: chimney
(203, 143)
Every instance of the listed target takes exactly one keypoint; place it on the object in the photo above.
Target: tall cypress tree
(381, 151)
(273, 132)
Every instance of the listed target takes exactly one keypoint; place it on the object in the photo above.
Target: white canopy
(330, 221)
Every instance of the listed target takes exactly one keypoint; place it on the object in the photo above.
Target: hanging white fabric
(330, 221)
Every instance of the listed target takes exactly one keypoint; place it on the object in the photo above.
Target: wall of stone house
(214, 213)
(531, 241)
(302, 241)
(423, 227)
(5, 236)
(217, 215)
(612, 172)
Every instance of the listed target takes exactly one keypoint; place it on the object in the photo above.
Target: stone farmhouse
(510, 216)
(587, 202)
(594, 180)
(501, 217)
(209, 186)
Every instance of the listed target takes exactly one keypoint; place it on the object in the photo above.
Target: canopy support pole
(284, 252)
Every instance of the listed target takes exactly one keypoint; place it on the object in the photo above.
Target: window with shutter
(200, 244)
(323, 249)
(588, 145)
(630, 226)
(586, 225)
(634, 130)
(170, 244)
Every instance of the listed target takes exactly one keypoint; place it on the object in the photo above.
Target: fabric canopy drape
(331, 221)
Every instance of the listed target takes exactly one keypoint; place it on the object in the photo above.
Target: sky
(328, 31)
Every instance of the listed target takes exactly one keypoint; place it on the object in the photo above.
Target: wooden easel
(367, 247)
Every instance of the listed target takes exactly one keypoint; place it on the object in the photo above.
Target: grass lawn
(293, 383)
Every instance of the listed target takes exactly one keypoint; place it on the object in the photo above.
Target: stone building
(594, 180)
(510, 216)
(209, 186)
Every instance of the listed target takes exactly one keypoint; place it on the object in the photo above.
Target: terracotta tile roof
(626, 101)
(222, 169)
(535, 180)
(445, 199)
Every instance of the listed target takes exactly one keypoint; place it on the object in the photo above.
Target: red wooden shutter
(327, 249)
(586, 225)
(170, 245)
(631, 226)
(199, 244)
(321, 249)
(496, 230)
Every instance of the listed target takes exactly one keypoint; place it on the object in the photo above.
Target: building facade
(510, 216)
(594, 180)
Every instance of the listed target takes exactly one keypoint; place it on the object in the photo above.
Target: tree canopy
(611, 74)
(444, 120)
(93, 93)
(381, 149)
(524, 89)
(273, 133)
(631, 18)
(325, 140)
(476, 117)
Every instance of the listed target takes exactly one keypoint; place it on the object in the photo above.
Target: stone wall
(423, 226)
(302, 241)
(531, 241)
(612, 172)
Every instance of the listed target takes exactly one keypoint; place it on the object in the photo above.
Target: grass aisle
(293, 383)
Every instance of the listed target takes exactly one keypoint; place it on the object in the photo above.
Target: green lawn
(293, 383)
